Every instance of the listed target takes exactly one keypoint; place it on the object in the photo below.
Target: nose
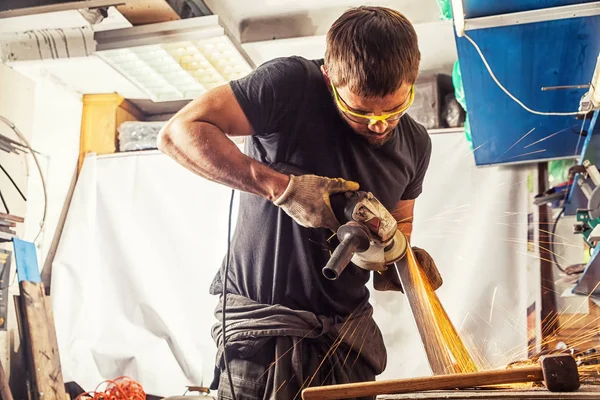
(378, 126)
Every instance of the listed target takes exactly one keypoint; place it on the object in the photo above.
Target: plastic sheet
(138, 135)
(144, 238)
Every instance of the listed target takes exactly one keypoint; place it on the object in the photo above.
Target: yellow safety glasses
(371, 119)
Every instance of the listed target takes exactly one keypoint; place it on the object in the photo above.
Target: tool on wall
(588, 225)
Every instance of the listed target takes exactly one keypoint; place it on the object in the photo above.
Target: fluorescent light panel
(175, 60)
(182, 70)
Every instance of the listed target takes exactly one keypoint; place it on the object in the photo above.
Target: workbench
(585, 392)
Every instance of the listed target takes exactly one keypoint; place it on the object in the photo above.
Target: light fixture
(176, 60)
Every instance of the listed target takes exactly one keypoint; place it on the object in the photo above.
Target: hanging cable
(224, 295)
(519, 102)
(13, 182)
(552, 251)
(4, 203)
(39, 167)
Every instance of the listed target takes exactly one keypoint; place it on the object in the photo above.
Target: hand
(428, 267)
(388, 279)
(306, 200)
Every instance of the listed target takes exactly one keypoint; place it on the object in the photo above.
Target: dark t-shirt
(273, 259)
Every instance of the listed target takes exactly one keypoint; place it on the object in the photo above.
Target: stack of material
(7, 224)
(10, 146)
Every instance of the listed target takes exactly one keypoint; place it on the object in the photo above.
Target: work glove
(306, 200)
(388, 279)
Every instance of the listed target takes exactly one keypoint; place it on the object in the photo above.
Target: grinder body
(368, 234)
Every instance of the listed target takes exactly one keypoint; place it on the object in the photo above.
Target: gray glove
(306, 200)
(388, 279)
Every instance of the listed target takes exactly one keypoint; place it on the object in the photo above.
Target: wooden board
(40, 340)
(148, 12)
(585, 392)
(11, 218)
(5, 393)
(428, 383)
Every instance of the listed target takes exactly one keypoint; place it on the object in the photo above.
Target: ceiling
(259, 20)
(266, 29)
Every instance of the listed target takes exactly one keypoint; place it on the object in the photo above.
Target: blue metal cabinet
(525, 58)
(485, 8)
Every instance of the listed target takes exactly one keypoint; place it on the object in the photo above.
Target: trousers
(275, 352)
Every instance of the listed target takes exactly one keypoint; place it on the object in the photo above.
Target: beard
(366, 134)
(373, 140)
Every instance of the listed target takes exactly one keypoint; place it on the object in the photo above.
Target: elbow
(167, 136)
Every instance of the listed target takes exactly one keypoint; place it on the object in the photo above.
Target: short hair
(372, 50)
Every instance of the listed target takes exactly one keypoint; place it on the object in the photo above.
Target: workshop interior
(108, 247)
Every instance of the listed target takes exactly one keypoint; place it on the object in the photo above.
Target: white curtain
(473, 221)
(144, 238)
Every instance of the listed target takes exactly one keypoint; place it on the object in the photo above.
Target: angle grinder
(369, 235)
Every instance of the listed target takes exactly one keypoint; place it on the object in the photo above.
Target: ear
(326, 77)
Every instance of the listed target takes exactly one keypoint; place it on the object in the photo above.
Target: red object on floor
(121, 388)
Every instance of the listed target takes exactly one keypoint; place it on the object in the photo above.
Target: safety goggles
(371, 119)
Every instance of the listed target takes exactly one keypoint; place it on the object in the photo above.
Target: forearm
(204, 149)
(406, 229)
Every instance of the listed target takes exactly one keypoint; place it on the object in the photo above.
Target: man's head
(371, 63)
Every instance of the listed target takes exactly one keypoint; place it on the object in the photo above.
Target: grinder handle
(353, 238)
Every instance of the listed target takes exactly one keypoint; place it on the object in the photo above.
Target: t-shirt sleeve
(268, 94)
(415, 186)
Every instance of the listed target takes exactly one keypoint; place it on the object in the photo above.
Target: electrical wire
(4, 203)
(224, 295)
(560, 267)
(519, 102)
(39, 167)
(121, 388)
(13, 182)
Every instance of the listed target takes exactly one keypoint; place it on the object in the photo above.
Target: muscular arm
(403, 213)
(196, 137)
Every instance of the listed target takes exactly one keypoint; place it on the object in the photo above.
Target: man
(342, 122)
